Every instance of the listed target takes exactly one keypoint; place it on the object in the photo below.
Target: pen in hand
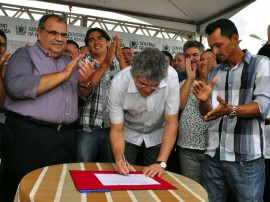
(124, 159)
(126, 163)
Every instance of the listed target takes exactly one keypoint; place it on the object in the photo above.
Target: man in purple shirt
(42, 86)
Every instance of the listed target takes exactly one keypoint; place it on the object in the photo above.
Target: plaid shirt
(240, 139)
(94, 111)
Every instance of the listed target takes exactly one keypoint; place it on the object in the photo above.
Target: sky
(250, 21)
(254, 19)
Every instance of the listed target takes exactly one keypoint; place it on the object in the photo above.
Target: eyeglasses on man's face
(55, 33)
(145, 86)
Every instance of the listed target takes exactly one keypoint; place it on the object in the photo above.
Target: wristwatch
(162, 164)
(233, 112)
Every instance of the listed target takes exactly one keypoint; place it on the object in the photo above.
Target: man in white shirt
(143, 109)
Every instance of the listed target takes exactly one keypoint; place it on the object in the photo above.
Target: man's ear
(39, 32)
(235, 38)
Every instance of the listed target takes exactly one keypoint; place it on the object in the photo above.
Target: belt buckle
(59, 127)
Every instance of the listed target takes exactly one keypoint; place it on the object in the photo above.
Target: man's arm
(118, 147)
(185, 88)
(202, 92)
(3, 60)
(119, 54)
(2, 91)
(168, 140)
(50, 81)
(250, 110)
(98, 74)
(85, 86)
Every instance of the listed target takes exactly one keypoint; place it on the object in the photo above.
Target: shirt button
(66, 113)
(67, 99)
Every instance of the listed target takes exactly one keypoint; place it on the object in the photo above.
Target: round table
(54, 183)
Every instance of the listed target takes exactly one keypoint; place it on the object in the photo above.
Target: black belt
(41, 123)
(197, 151)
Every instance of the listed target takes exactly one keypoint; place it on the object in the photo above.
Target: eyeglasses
(55, 33)
(145, 86)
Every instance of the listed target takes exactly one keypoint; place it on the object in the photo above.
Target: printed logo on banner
(166, 48)
(133, 44)
(21, 30)
(121, 43)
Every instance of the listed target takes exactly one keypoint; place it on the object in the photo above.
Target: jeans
(150, 154)
(95, 146)
(191, 162)
(245, 178)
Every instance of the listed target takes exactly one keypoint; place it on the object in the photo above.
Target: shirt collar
(45, 52)
(247, 59)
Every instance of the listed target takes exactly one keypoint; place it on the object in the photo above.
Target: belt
(58, 127)
(197, 151)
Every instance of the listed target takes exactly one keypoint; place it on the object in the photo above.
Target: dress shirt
(95, 110)
(143, 117)
(240, 139)
(22, 78)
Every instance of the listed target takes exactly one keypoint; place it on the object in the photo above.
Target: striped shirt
(240, 139)
(94, 112)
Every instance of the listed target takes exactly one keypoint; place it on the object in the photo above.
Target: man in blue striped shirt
(235, 103)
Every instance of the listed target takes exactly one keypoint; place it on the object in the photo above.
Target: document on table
(131, 179)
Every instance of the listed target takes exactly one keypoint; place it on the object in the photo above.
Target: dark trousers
(149, 154)
(27, 146)
(266, 195)
(1, 135)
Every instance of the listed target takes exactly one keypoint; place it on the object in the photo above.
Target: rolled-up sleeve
(116, 111)
(262, 89)
(173, 100)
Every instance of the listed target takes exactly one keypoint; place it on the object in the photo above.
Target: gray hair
(193, 44)
(44, 18)
(150, 64)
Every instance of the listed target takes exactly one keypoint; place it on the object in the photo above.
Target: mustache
(57, 43)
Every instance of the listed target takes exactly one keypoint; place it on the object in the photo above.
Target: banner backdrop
(21, 32)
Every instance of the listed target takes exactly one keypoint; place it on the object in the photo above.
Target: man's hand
(74, 52)
(202, 91)
(191, 71)
(110, 53)
(118, 53)
(3, 60)
(122, 167)
(153, 170)
(85, 71)
(221, 110)
(69, 69)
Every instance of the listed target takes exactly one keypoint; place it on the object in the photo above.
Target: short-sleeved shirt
(240, 139)
(143, 117)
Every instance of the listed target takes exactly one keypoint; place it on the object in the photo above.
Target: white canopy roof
(186, 15)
